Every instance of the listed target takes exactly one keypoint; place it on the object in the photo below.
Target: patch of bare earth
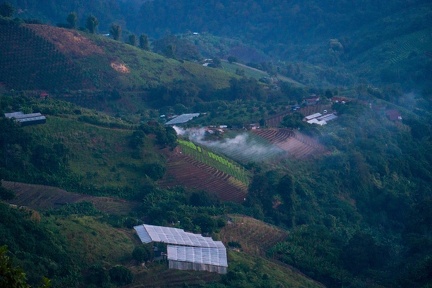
(183, 170)
(67, 41)
(254, 236)
(40, 197)
(120, 67)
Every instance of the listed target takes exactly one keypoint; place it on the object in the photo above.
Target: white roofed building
(187, 251)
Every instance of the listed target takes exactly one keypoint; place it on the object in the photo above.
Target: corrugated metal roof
(13, 114)
(29, 119)
(182, 119)
(309, 117)
(327, 117)
(202, 255)
(150, 233)
(142, 234)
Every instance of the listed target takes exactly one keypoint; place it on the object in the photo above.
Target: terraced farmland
(417, 42)
(184, 170)
(254, 236)
(46, 197)
(296, 144)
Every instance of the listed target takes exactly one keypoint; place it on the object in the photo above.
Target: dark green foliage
(154, 170)
(206, 223)
(143, 42)
(132, 40)
(295, 121)
(232, 59)
(116, 31)
(72, 20)
(38, 251)
(202, 198)
(246, 89)
(50, 159)
(98, 276)
(177, 48)
(6, 9)
(80, 208)
(142, 253)
(137, 139)
(120, 275)
(11, 276)
(234, 244)
(362, 252)
(216, 63)
(91, 24)
(6, 194)
(166, 137)
(15, 145)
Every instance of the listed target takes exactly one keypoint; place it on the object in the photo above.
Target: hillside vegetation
(84, 62)
(347, 204)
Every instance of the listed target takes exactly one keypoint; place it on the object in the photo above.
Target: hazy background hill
(350, 201)
(328, 42)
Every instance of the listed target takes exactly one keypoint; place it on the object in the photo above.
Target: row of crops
(28, 61)
(209, 158)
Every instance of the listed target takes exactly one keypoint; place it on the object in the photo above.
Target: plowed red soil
(296, 144)
(185, 171)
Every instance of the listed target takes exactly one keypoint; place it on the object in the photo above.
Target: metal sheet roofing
(182, 119)
(327, 117)
(202, 255)
(29, 119)
(150, 233)
(315, 115)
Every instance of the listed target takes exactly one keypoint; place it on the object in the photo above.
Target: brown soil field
(296, 144)
(186, 171)
(67, 41)
(41, 197)
(254, 236)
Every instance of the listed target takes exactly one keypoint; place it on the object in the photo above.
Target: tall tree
(170, 51)
(132, 40)
(92, 23)
(143, 42)
(6, 9)
(116, 31)
(72, 20)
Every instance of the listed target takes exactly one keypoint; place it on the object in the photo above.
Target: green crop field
(212, 159)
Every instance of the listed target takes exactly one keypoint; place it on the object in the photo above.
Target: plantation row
(211, 159)
(35, 63)
(296, 144)
(186, 171)
(253, 235)
(414, 43)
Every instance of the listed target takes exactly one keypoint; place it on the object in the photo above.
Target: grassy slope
(100, 155)
(282, 275)
(143, 69)
(397, 42)
(94, 241)
(254, 236)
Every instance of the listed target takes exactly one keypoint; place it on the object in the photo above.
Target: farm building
(320, 119)
(26, 119)
(182, 119)
(187, 251)
(312, 100)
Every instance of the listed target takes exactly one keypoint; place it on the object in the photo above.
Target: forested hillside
(347, 203)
